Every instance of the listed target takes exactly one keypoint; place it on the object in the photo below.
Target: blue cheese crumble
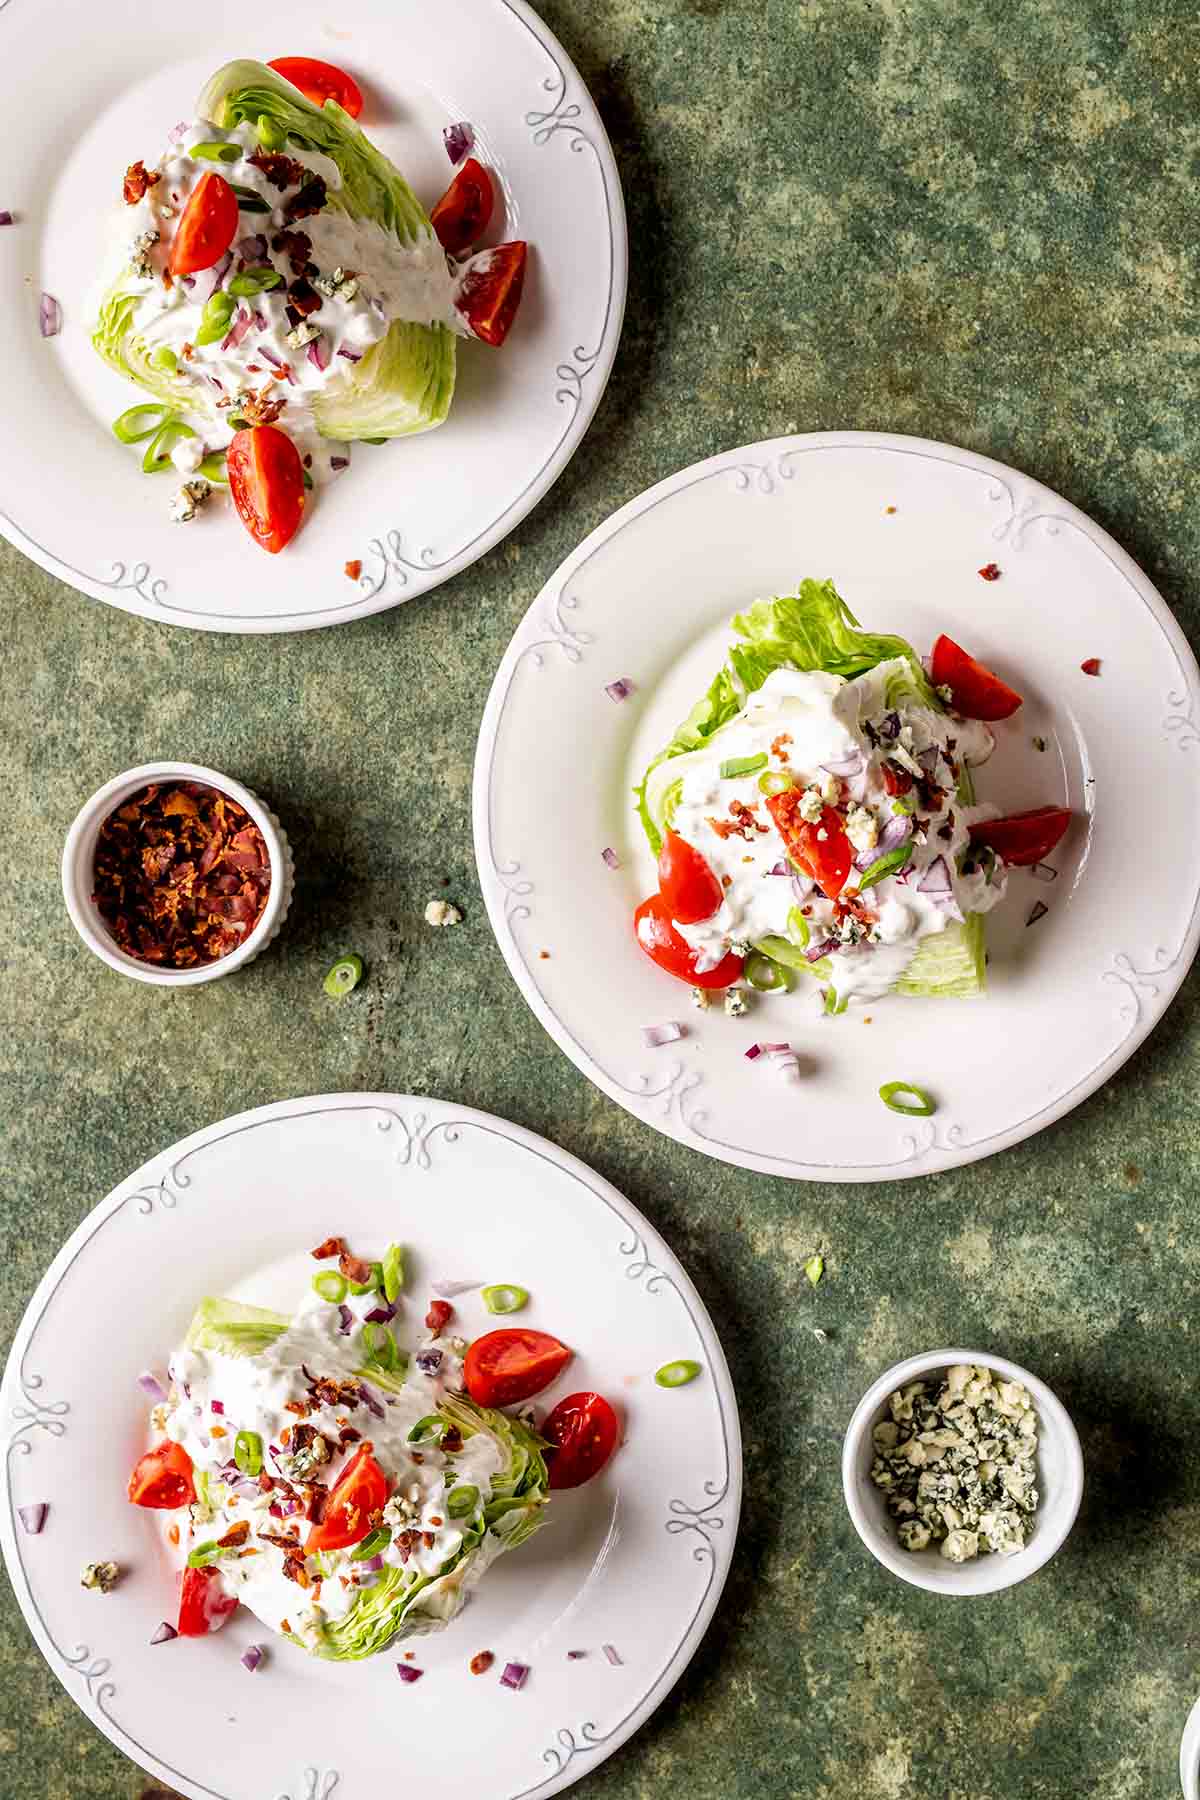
(957, 1464)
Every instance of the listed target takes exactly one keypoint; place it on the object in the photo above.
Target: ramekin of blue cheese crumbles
(274, 273)
(955, 1462)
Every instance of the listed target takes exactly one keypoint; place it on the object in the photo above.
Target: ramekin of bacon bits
(175, 874)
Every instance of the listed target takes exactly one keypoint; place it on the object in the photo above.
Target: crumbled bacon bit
(1091, 666)
(285, 1627)
(481, 1663)
(217, 1431)
(137, 180)
(168, 280)
(281, 170)
(990, 571)
(316, 1500)
(777, 748)
(264, 407)
(285, 1437)
(173, 1535)
(297, 247)
(309, 200)
(235, 1536)
(331, 1246)
(452, 1440)
(354, 568)
(187, 351)
(304, 298)
(181, 875)
(295, 1570)
(250, 1552)
(348, 1435)
(301, 1408)
(742, 822)
(895, 779)
(439, 1315)
(429, 1539)
(435, 1520)
(354, 1268)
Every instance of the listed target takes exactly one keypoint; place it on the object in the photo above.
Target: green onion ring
(922, 1110)
(330, 1286)
(506, 1297)
(677, 1374)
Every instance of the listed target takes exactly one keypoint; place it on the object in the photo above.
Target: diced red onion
(514, 1675)
(889, 725)
(428, 1361)
(382, 1315)
(815, 952)
(850, 764)
(620, 689)
(459, 139)
(654, 1035)
(252, 1657)
(253, 248)
(218, 1406)
(350, 355)
(1043, 872)
(448, 1289)
(49, 316)
(928, 758)
(176, 132)
(610, 857)
(936, 879)
(33, 1517)
(276, 362)
(260, 319)
(346, 1318)
(275, 1510)
(372, 1566)
(164, 1634)
(219, 385)
(318, 353)
(781, 868)
(802, 886)
(6, 217)
(896, 832)
(610, 1651)
(406, 1672)
(237, 331)
(370, 1400)
(1037, 911)
(339, 462)
(207, 281)
(151, 1386)
(757, 1050)
(576, 1655)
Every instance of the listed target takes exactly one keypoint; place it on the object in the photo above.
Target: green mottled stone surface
(975, 220)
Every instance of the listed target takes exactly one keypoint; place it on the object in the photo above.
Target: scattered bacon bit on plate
(331, 1246)
(481, 1663)
(137, 180)
(990, 571)
(354, 1268)
(1091, 666)
(354, 568)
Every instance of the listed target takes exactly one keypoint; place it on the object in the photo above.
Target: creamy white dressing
(254, 1392)
(803, 722)
(396, 281)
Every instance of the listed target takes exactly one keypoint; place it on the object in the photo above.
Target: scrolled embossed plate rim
(747, 503)
(448, 496)
(388, 1150)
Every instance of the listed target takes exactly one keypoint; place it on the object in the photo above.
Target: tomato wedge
(204, 1605)
(490, 291)
(655, 931)
(207, 226)
(583, 1430)
(503, 1367)
(360, 1490)
(821, 850)
(163, 1477)
(686, 882)
(975, 691)
(266, 479)
(320, 81)
(461, 216)
(1024, 837)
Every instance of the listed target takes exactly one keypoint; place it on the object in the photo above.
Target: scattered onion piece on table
(49, 316)
(655, 1035)
(1091, 666)
(576, 1655)
(406, 1672)
(164, 1634)
(459, 139)
(6, 217)
(449, 1289)
(152, 1386)
(610, 857)
(611, 1653)
(514, 1675)
(757, 1050)
(33, 1516)
(620, 689)
(252, 1657)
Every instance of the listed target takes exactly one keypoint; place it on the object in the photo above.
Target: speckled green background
(973, 220)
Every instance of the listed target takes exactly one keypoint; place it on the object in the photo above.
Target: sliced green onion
(833, 1004)
(204, 1553)
(431, 1428)
(734, 766)
(814, 1268)
(764, 974)
(774, 782)
(393, 1272)
(782, 950)
(797, 926)
(248, 200)
(158, 450)
(254, 281)
(374, 440)
(141, 422)
(904, 803)
(462, 1501)
(344, 976)
(380, 1345)
(213, 152)
(165, 358)
(213, 467)
(505, 1298)
(247, 1452)
(890, 864)
(270, 135)
(218, 312)
(921, 1110)
(677, 1374)
(372, 1544)
(308, 480)
(330, 1286)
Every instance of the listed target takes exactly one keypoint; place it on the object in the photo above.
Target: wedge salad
(279, 292)
(347, 1491)
(815, 815)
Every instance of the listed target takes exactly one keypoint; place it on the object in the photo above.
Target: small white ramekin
(1059, 1470)
(77, 874)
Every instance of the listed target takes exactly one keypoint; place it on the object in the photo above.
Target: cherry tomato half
(163, 1477)
(975, 691)
(207, 226)
(583, 1430)
(686, 882)
(204, 1605)
(266, 479)
(490, 291)
(503, 1367)
(656, 933)
(320, 81)
(461, 216)
(1024, 837)
(360, 1490)
(822, 850)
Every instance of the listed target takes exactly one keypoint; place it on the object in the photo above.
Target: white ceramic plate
(637, 1558)
(415, 511)
(648, 596)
